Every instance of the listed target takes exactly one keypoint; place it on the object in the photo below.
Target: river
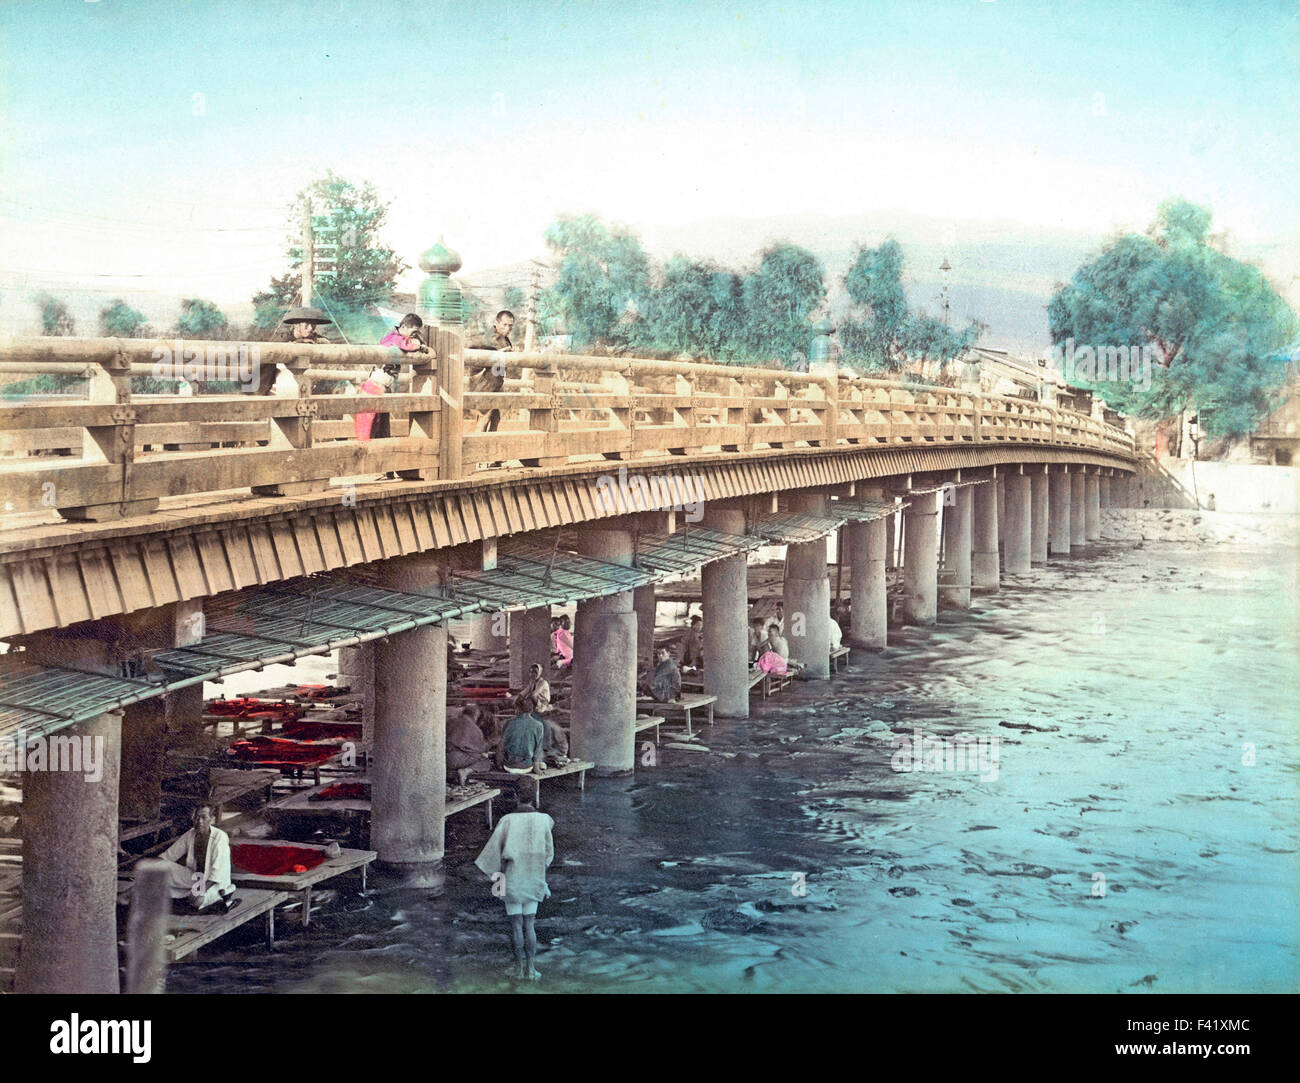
(1140, 833)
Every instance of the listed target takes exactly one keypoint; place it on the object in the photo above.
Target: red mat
(277, 752)
(274, 860)
(322, 731)
(343, 791)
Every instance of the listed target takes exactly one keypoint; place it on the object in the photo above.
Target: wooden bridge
(113, 501)
(150, 543)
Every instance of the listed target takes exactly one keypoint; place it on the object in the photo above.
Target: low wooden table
(192, 931)
(648, 721)
(301, 883)
(573, 767)
(690, 702)
(838, 655)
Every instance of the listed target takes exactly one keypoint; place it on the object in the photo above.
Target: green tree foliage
(201, 319)
(55, 318)
(1213, 323)
(603, 280)
(514, 301)
(364, 270)
(883, 335)
(780, 299)
(698, 309)
(120, 320)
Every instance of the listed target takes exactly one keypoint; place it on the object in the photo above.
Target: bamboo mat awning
(794, 529)
(527, 577)
(292, 620)
(689, 550)
(946, 485)
(42, 699)
(866, 511)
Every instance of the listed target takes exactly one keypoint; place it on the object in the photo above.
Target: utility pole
(308, 258)
(944, 268)
(530, 313)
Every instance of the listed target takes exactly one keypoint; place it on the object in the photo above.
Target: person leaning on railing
(491, 378)
(300, 325)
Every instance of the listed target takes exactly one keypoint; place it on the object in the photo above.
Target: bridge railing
(108, 451)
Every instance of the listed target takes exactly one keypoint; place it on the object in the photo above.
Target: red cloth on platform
(322, 731)
(277, 752)
(343, 791)
(274, 860)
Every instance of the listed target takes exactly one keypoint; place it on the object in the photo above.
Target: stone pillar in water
(956, 549)
(807, 596)
(921, 559)
(1060, 533)
(1019, 536)
(869, 613)
(987, 535)
(1039, 517)
(1078, 512)
(603, 718)
(1092, 510)
(725, 588)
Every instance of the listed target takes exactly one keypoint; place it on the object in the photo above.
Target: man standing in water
(516, 857)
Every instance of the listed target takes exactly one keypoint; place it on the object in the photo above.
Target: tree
(1211, 325)
(514, 300)
(201, 319)
(780, 299)
(55, 318)
(884, 334)
(697, 309)
(603, 280)
(120, 320)
(363, 272)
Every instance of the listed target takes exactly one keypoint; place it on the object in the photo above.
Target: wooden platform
(193, 931)
(301, 883)
(838, 655)
(573, 767)
(684, 707)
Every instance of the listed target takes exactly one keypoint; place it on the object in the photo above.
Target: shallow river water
(1141, 833)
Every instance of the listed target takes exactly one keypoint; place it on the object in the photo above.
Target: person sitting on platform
(520, 851)
(535, 696)
(523, 745)
(209, 882)
(774, 654)
(756, 637)
(665, 684)
(692, 651)
(780, 617)
(467, 747)
(837, 635)
(561, 641)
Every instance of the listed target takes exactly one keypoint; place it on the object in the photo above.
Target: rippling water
(1128, 689)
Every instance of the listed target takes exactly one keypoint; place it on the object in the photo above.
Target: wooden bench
(648, 721)
(838, 655)
(301, 883)
(189, 932)
(357, 809)
(573, 767)
(689, 703)
(192, 931)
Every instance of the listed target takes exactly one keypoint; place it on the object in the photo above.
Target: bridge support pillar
(987, 535)
(357, 671)
(1038, 517)
(69, 940)
(1092, 510)
(488, 632)
(1103, 491)
(1000, 482)
(955, 591)
(144, 740)
(530, 641)
(891, 541)
(725, 586)
(409, 773)
(807, 596)
(1058, 541)
(644, 602)
(70, 824)
(1078, 510)
(921, 559)
(603, 713)
(869, 612)
(1019, 524)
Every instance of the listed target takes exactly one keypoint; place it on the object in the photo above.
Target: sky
(155, 144)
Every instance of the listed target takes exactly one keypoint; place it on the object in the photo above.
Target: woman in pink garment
(376, 426)
(561, 641)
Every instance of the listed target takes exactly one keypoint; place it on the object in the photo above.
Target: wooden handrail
(133, 449)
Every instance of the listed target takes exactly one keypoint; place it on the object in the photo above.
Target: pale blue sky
(482, 121)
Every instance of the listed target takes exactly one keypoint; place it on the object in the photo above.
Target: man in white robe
(209, 882)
